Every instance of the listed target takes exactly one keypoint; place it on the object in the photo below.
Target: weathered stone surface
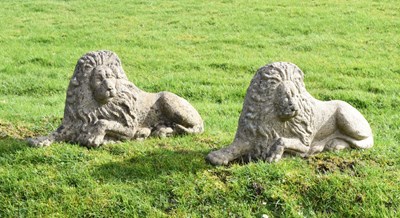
(280, 117)
(103, 106)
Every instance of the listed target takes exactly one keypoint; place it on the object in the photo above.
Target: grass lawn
(206, 52)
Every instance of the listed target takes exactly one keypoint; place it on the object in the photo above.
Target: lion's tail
(197, 129)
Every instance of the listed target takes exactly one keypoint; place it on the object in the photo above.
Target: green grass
(206, 52)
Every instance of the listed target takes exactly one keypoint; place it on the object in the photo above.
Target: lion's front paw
(163, 131)
(217, 158)
(95, 141)
(39, 142)
(142, 133)
(276, 151)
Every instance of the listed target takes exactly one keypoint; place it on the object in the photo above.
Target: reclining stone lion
(103, 106)
(279, 116)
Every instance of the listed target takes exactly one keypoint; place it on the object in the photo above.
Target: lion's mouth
(286, 115)
(112, 93)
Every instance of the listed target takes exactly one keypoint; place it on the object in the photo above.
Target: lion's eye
(109, 75)
(272, 82)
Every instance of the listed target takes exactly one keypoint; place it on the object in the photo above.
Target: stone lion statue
(103, 106)
(280, 117)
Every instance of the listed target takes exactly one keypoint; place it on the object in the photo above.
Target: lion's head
(103, 83)
(99, 89)
(276, 100)
(287, 100)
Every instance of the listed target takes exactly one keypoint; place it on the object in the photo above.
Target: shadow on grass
(152, 165)
(9, 146)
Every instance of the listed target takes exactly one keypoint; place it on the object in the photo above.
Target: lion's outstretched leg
(228, 154)
(185, 117)
(42, 141)
(353, 126)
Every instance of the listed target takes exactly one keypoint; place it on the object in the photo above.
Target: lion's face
(287, 100)
(103, 84)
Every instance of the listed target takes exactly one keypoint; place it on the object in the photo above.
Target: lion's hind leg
(342, 142)
(185, 118)
(353, 126)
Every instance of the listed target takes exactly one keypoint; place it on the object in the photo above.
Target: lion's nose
(290, 103)
(109, 86)
(292, 106)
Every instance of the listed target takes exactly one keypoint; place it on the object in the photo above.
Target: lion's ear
(118, 72)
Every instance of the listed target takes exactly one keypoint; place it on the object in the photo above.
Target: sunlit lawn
(206, 52)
